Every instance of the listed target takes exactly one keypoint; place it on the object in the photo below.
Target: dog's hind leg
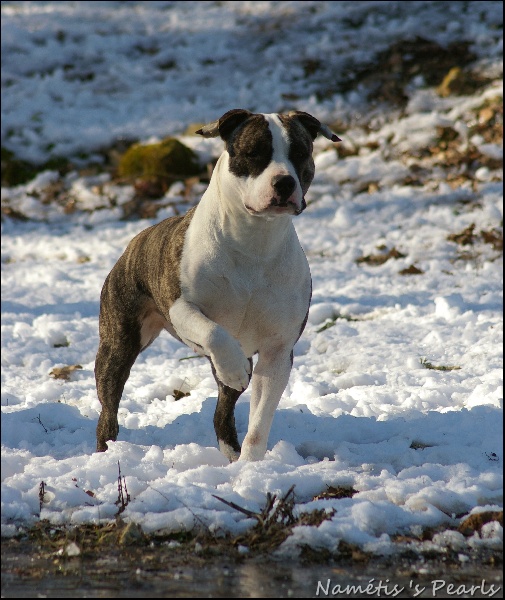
(224, 419)
(128, 324)
(112, 369)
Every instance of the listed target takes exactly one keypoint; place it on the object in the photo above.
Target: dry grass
(275, 522)
(379, 259)
(332, 493)
(429, 365)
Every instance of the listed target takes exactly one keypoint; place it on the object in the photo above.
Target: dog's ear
(313, 126)
(226, 124)
(231, 120)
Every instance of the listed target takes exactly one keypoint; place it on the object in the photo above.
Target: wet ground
(162, 571)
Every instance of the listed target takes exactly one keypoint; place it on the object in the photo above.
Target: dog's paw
(232, 366)
(231, 454)
(234, 375)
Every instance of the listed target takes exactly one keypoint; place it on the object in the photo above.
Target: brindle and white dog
(229, 278)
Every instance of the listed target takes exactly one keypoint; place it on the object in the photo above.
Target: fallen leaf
(412, 270)
(64, 372)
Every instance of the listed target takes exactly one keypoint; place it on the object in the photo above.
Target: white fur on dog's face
(266, 148)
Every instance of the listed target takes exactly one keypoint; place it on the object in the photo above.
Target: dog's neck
(228, 218)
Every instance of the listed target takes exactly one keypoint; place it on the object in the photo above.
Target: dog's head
(270, 155)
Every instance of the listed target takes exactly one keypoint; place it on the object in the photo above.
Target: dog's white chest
(254, 283)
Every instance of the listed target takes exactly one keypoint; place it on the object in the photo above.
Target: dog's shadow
(472, 436)
(298, 436)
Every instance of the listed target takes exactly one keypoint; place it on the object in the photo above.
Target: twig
(38, 418)
(42, 491)
(249, 513)
(267, 517)
(121, 494)
(288, 493)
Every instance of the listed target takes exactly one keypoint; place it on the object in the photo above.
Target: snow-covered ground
(365, 407)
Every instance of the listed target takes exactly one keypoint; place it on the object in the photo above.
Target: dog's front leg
(269, 380)
(207, 337)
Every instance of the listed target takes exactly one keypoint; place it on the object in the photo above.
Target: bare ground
(98, 563)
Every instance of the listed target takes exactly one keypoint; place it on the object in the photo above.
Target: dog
(229, 278)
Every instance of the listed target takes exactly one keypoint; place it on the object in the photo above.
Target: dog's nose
(284, 186)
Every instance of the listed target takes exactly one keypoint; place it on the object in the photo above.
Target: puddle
(163, 573)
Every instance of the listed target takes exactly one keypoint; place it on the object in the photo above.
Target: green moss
(16, 171)
(163, 162)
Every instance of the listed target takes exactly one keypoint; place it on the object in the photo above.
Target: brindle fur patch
(224, 419)
(250, 147)
(134, 305)
(300, 150)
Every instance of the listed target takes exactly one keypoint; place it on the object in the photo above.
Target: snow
(422, 447)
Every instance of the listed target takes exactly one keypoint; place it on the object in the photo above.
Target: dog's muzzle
(284, 186)
(302, 207)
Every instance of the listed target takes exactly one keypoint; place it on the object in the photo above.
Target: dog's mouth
(277, 208)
